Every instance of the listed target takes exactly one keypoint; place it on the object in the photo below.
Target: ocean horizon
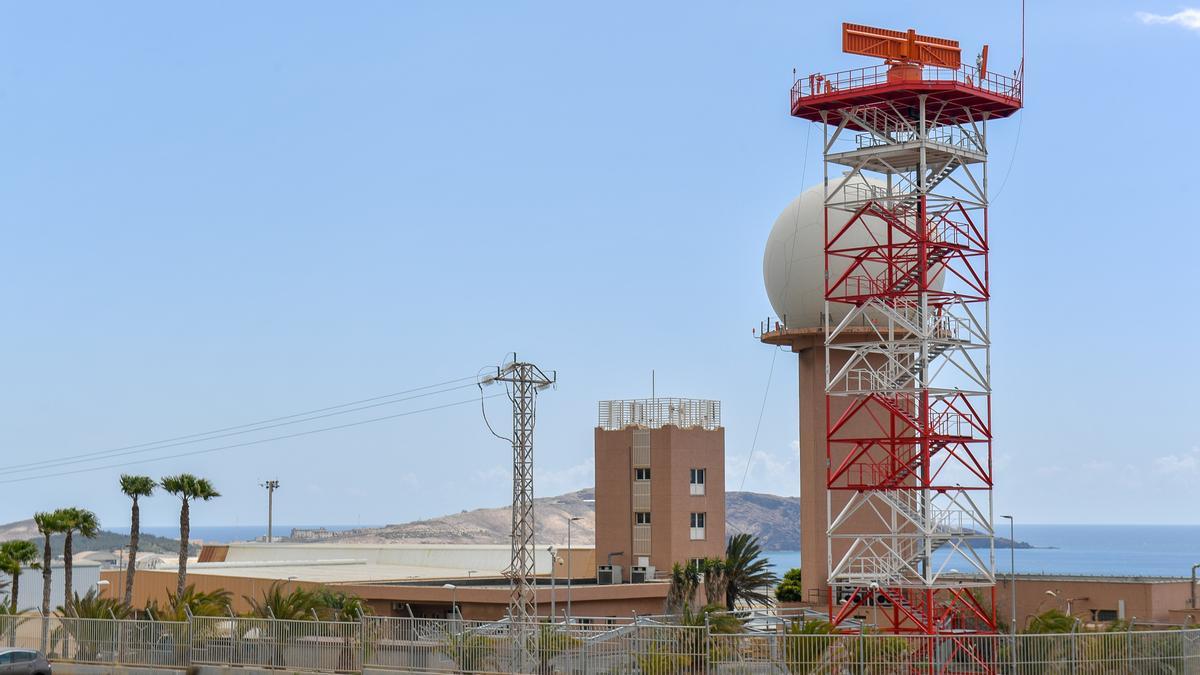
(1127, 550)
(1122, 550)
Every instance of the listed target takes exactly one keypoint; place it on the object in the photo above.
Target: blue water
(1158, 550)
(223, 534)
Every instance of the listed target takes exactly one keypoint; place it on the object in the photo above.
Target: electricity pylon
(523, 382)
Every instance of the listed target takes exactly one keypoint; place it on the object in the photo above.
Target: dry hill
(774, 519)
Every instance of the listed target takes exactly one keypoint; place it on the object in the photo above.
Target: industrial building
(422, 580)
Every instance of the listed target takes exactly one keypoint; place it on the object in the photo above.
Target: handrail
(821, 84)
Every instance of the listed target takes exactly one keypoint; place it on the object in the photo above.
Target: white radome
(794, 260)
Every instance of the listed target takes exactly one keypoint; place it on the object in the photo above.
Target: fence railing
(161, 644)
(646, 646)
(992, 82)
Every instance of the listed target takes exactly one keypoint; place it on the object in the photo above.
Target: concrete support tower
(906, 334)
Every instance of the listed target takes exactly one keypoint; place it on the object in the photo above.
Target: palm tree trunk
(134, 534)
(67, 595)
(16, 590)
(46, 577)
(46, 593)
(184, 530)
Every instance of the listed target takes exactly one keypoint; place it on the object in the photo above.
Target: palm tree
(295, 605)
(48, 523)
(685, 579)
(338, 606)
(187, 487)
(714, 580)
(192, 602)
(88, 525)
(746, 572)
(14, 556)
(134, 487)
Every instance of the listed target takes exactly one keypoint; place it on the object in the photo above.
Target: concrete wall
(484, 602)
(1148, 600)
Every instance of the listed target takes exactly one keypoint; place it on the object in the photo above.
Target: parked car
(23, 662)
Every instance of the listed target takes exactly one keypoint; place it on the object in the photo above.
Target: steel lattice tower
(524, 381)
(907, 334)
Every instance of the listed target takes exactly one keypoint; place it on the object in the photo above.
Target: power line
(244, 444)
(761, 410)
(251, 427)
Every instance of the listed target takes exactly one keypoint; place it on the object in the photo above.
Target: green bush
(806, 645)
(789, 589)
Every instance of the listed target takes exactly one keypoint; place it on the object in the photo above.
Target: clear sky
(221, 213)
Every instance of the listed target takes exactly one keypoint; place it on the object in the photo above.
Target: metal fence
(650, 647)
(100, 641)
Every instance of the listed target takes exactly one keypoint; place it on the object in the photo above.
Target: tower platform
(953, 96)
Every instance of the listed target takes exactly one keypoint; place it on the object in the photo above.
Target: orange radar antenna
(900, 47)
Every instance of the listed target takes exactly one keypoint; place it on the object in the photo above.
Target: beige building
(422, 580)
(660, 485)
(1142, 600)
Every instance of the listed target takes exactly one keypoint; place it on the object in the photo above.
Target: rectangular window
(1104, 615)
(641, 474)
(641, 517)
(697, 481)
(697, 526)
(696, 564)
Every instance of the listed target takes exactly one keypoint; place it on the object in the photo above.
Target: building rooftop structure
(422, 580)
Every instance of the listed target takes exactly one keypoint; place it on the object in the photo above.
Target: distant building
(308, 534)
(660, 484)
(85, 576)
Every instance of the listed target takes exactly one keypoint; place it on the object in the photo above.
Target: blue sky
(220, 213)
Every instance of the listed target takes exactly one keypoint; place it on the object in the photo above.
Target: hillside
(104, 541)
(774, 519)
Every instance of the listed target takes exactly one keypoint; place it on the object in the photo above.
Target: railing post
(706, 643)
(362, 640)
(1129, 649)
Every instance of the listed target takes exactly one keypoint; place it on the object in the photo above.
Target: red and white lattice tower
(907, 335)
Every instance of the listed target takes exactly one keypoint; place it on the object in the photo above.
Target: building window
(1104, 615)
(696, 564)
(697, 526)
(641, 474)
(697, 481)
(641, 517)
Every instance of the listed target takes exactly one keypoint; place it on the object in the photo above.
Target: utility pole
(522, 381)
(271, 486)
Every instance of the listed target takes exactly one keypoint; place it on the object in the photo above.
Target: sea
(1130, 550)
(1126, 550)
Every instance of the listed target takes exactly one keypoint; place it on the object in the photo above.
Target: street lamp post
(1012, 570)
(570, 556)
(553, 561)
(1194, 568)
(453, 599)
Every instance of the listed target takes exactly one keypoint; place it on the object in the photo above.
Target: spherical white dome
(794, 260)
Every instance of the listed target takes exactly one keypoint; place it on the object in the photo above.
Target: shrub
(789, 589)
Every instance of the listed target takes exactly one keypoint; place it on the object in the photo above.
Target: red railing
(819, 84)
